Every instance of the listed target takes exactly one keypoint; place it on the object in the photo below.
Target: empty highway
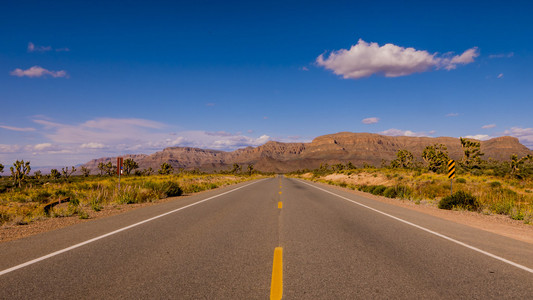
(270, 238)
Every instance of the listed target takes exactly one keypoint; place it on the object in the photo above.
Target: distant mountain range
(343, 147)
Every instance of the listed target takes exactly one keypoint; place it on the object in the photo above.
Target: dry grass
(25, 205)
(512, 197)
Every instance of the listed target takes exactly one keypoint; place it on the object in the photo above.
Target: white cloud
(304, 69)
(466, 58)
(488, 126)
(398, 132)
(365, 59)
(500, 75)
(37, 71)
(92, 146)
(481, 137)
(452, 115)
(17, 128)
(525, 135)
(372, 120)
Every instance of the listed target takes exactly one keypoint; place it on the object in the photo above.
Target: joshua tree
(130, 165)
(37, 174)
(20, 171)
(250, 169)
(236, 169)
(165, 169)
(1, 168)
(436, 156)
(517, 163)
(66, 172)
(54, 173)
(101, 168)
(109, 168)
(404, 159)
(350, 166)
(148, 171)
(338, 167)
(472, 153)
(85, 171)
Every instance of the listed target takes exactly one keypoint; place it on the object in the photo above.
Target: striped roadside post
(451, 173)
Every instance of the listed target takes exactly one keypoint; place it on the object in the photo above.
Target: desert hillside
(343, 147)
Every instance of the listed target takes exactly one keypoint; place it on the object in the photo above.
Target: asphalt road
(220, 245)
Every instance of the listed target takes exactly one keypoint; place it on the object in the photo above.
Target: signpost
(451, 173)
(120, 166)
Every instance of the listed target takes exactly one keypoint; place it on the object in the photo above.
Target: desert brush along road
(277, 237)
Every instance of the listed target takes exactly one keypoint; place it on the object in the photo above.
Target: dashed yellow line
(280, 205)
(276, 285)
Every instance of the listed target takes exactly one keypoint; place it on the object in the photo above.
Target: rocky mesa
(343, 147)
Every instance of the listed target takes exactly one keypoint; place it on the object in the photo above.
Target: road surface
(331, 244)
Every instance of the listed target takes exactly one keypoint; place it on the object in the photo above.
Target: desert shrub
(460, 180)
(403, 192)
(378, 190)
(459, 199)
(172, 189)
(343, 184)
(390, 192)
(495, 184)
(42, 197)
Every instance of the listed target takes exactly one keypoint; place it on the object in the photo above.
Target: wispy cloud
(37, 71)
(488, 126)
(33, 48)
(17, 128)
(365, 59)
(398, 132)
(502, 55)
(452, 115)
(372, 120)
(110, 136)
(500, 76)
(304, 69)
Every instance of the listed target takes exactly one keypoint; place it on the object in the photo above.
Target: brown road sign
(451, 168)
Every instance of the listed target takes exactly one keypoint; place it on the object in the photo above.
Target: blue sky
(81, 80)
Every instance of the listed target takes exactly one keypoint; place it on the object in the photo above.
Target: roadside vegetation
(488, 187)
(25, 198)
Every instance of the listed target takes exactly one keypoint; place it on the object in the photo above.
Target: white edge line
(31, 262)
(428, 230)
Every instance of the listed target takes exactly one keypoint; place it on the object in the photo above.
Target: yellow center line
(280, 204)
(276, 286)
